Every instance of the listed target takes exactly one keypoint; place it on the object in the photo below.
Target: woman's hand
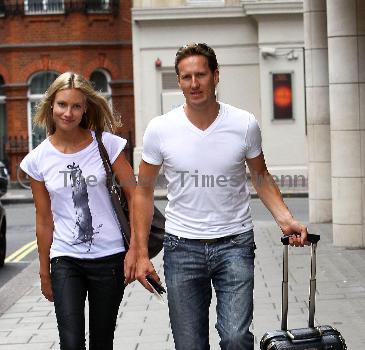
(46, 287)
(130, 262)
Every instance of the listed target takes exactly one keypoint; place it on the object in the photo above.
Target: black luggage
(311, 338)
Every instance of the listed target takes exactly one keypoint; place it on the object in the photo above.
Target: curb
(163, 196)
(16, 287)
(160, 195)
(7, 201)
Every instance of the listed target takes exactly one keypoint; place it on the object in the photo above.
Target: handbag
(120, 206)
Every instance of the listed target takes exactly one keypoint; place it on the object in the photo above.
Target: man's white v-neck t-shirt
(205, 170)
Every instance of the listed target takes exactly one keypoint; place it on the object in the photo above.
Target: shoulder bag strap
(118, 198)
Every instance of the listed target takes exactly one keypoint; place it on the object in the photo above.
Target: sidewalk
(143, 324)
(17, 196)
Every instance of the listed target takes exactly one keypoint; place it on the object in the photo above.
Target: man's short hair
(196, 49)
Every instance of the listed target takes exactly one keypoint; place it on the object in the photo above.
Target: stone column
(318, 112)
(346, 59)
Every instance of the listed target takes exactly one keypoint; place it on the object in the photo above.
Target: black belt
(216, 240)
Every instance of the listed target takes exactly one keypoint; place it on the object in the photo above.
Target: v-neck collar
(210, 128)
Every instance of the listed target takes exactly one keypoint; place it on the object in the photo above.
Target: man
(209, 239)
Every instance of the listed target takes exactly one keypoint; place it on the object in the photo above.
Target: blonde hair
(99, 115)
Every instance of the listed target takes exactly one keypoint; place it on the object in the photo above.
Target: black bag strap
(105, 158)
(118, 199)
(110, 183)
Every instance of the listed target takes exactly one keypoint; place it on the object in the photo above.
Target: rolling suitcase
(310, 338)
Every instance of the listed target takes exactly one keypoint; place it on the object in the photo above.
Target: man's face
(197, 82)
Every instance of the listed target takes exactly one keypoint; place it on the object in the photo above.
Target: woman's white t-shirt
(85, 225)
(205, 170)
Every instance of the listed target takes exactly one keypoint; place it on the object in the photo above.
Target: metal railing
(16, 144)
(17, 147)
(92, 6)
(11, 8)
(44, 7)
(41, 7)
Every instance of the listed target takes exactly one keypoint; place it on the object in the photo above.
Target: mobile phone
(155, 285)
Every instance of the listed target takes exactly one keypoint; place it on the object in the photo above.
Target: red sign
(282, 96)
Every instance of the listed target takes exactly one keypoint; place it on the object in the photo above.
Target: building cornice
(15, 86)
(267, 7)
(121, 81)
(169, 13)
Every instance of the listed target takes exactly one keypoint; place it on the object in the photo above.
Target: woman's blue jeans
(102, 280)
(191, 268)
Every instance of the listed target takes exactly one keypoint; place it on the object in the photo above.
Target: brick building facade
(40, 39)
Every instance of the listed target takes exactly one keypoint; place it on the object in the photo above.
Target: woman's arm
(44, 233)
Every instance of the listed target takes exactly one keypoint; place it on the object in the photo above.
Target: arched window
(100, 80)
(3, 126)
(38, 84)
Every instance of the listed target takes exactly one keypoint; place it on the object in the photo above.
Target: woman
(80, 246)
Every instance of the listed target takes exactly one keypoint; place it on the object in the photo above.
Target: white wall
(245, 79)
(284, 141)
(244, 93)
(235, 43)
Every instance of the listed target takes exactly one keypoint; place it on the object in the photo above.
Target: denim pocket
(60, 271)
(245, 239)
(54, 265)
(118, 273)
(170, 242)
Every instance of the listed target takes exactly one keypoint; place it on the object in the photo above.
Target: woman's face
(68, 108)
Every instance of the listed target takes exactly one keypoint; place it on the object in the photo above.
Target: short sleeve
(152, 145)
(30, 166)
(114, 145)
(253, 139)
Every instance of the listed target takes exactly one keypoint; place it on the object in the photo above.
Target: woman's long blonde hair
(99, 115)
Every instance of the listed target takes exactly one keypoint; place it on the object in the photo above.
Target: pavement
(27, 320)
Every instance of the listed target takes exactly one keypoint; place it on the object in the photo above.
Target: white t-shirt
(205, 170)
(85, 225)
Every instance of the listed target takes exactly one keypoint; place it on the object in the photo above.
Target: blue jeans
(102, 280)
(191, 268)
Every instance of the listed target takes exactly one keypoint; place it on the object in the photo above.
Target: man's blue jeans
(191, 268)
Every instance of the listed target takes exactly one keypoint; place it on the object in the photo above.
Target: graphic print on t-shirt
(84, 231)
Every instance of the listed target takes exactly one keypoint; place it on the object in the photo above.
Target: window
(2, 8)
(43, 6)
(98, 5)
(2, 90)
(38, 84)
(169, 81)
(100, 79)
(3, 126)
(171, 95)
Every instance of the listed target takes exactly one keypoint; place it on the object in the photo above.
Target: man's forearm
(269, 193)
(143, 212)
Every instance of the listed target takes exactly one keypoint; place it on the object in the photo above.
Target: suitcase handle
(310, 238)
(312, 284)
